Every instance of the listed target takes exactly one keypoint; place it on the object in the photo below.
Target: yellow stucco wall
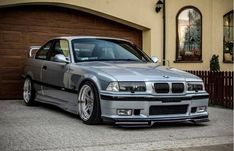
(141, 14)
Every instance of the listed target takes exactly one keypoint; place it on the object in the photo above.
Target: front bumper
(110, 104)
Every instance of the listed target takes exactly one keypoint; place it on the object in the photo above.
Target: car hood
(125, 71)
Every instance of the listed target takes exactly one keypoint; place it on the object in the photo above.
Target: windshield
(91, 49)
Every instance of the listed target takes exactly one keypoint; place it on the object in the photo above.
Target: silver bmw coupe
(110, 79)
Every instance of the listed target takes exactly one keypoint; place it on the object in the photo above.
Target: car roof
(90, 37)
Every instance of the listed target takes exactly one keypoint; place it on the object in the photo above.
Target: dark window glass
(189, 35)
(106, 50)
(228, 38)
(60, 47)
(42, 52)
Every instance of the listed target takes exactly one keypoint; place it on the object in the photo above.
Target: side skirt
(49, 100)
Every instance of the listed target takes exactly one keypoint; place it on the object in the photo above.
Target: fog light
(201, 109)
(124, 112)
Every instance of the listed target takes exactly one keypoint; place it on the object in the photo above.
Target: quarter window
(189, 35)
(42, 52)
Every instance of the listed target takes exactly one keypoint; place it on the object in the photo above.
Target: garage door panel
(11, 62)
(11, 49)
(13, 53)
(61, 17)
(16, 19)
(11, 36)
(12, 45)
(11, 89)
(9, 74)
(8, 27)
(13, 57)
(25, 26)
(39, 38)
(37, 14)
(65, 31)
(40, 28)
(122, 34)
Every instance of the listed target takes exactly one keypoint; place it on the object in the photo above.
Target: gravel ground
(45, 127)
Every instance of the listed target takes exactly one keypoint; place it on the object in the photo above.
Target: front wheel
(88, 103)
(28, 92)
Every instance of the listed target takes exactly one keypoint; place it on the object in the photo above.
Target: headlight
(195, 86)
(126, 87)
(132, 86)
(113, 86)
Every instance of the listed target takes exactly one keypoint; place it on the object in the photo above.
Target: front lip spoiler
(195, 119)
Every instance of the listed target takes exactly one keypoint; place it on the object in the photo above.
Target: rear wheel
(28, 92)
(88, 103)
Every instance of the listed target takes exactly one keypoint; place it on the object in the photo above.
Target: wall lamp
(159, 6)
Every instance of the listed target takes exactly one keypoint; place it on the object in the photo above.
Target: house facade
(194, 30)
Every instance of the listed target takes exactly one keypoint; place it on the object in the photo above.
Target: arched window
(189, 35)
(228, 39)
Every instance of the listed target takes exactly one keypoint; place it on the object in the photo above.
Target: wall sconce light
(159, 6)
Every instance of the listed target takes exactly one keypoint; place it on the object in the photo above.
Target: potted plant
(214, 63)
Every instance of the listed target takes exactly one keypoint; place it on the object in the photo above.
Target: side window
(42, 53)
(60, 47)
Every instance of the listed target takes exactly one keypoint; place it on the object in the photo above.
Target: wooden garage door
(24, 26)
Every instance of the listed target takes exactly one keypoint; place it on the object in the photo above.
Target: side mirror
(155, 59)
(60, 58)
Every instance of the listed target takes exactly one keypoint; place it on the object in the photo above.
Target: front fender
(27, 74)
(91, 78)
(79, 74)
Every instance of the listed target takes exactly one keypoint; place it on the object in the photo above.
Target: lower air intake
(168, 109)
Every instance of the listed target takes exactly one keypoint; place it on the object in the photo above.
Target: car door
(40, 58)
(53, 73)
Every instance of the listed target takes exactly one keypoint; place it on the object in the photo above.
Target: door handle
(44, 67)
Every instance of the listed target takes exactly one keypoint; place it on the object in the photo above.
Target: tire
(28, 92)
(89, 104)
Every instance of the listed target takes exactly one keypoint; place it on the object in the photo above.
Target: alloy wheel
(27, 90)
(86, 102)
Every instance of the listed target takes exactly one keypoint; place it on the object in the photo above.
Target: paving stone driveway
(45, 127)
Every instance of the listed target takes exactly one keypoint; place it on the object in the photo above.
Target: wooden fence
(219, 85)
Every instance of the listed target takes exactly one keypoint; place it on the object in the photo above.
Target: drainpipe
(164, 32)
